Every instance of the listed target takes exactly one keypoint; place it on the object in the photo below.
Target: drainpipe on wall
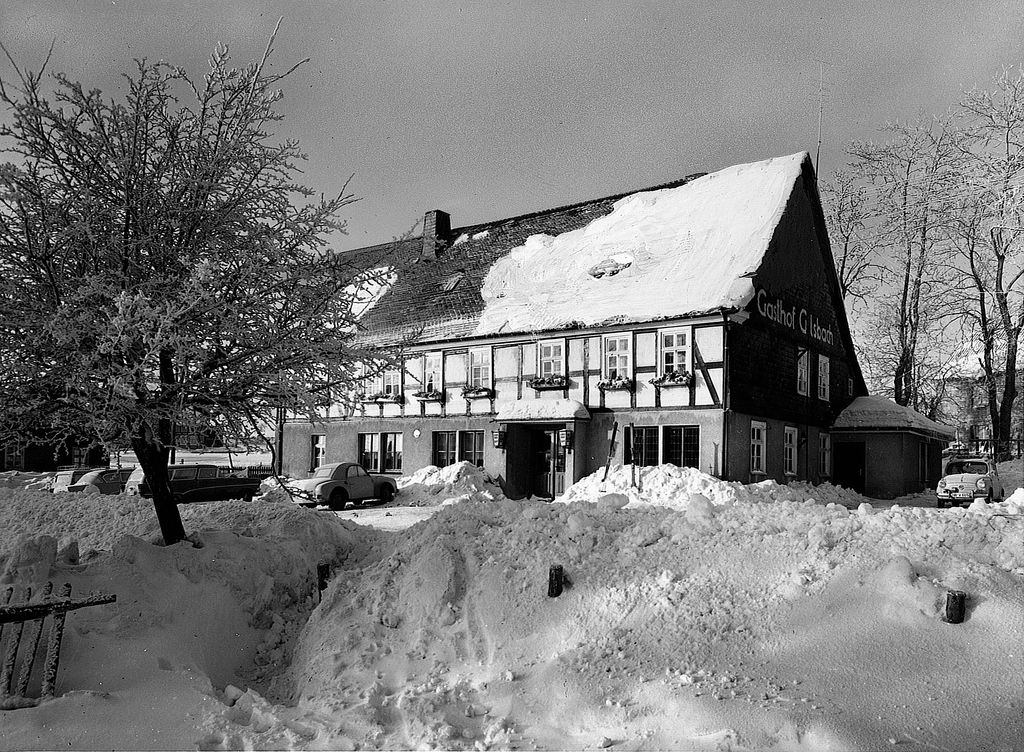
(726, 389)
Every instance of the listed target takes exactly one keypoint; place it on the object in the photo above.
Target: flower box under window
(554, 381)
(431, 395)
(674, 378)
(382, 398)
(618, 383)
(477, 392)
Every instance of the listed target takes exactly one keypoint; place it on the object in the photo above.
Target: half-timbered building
(700, 322)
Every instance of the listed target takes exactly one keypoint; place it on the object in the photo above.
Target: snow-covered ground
(698, 615)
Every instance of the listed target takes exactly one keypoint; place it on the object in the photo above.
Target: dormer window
(452, 281)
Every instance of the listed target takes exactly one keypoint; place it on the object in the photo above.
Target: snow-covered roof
(543, 409)
(678, 251)
(681, 249)
(873, 412)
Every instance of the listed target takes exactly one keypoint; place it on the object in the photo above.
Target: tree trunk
(152, 456)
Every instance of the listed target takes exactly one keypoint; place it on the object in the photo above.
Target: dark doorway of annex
(848, 465)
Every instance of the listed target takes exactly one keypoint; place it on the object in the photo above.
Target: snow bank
(671, 486)
(433, 486)
(696, 615)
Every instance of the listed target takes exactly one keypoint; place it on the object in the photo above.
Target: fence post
(53, 646)
(11, 653)
(35, 632)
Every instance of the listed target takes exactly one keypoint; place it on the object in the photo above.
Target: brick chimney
(437, 226)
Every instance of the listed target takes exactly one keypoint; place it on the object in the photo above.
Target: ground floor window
(642, 446)
(444, 448)
(758, 429)
(471, 447)
(317, 450)
(392, 452)
(824, 454)
(789, 450)
(14, 457)
(682, 446)
(369, 450)
(653, 445)
(373, 459)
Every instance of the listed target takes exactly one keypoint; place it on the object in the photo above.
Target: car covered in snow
(103, 481)
(64, 479)
(965, 479)
(339, 483)
(198, 482)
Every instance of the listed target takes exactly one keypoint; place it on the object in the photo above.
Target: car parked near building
(103, 481)
(339, 483)
(197, 483)
(64, 479)
(965, 479)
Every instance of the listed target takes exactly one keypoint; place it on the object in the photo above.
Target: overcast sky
(491, 109)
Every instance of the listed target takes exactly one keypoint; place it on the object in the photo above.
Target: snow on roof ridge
(693, 248)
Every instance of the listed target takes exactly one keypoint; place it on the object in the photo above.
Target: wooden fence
(21, 630)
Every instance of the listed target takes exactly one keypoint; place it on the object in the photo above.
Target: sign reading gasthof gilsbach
(798, 319)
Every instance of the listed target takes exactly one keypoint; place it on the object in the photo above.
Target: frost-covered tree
(848, 217)
(908, 179)
(987, 232)
(161, 270)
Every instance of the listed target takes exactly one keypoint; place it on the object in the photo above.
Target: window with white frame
(391, 382)
(823, 377)
(618, 353)
(825, 454)
(802, 368)
(758, 431)
(317, 450)
(675, 351)
(552, 358)
(432, 372)
(369, 451)
(480, 368)
(789, 448)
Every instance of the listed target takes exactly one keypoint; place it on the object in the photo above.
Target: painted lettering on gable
(798, 319)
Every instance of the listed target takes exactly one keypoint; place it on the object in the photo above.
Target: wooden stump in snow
(956, 601)
(555, 581)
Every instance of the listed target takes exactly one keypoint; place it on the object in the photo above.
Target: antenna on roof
(821, 107)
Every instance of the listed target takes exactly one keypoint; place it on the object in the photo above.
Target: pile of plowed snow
(27, 480)
(726, 615)
(671, 486)
(434, 486)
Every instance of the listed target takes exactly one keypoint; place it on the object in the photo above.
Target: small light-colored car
(340, 483)
(108, 481)
(965, 479)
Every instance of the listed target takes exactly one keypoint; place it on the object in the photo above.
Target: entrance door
(548, 463)
(848, 465)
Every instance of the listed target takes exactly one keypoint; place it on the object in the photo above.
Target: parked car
(965, 479)
(64, 479)
(105, 481)
(195, 483)
(340, 483)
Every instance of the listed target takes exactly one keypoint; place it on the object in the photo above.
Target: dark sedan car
(195, 483)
